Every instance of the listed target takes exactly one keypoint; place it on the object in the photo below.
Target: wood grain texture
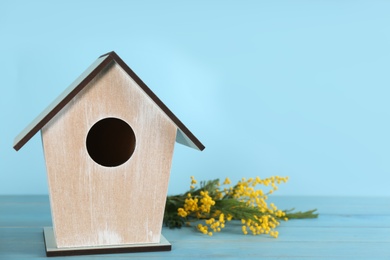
(347, 228)
(93, 205)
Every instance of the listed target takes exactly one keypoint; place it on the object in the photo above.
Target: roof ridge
(184, 136)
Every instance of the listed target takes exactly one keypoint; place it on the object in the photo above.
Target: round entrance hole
(110, 142)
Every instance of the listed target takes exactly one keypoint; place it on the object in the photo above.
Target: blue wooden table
(347, 228)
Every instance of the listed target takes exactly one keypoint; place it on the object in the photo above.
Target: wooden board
(348, 228)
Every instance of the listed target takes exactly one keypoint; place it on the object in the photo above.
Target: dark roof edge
(44, 117)
(79, 84)
(192, 139)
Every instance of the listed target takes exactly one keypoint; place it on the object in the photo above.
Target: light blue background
(297, 88)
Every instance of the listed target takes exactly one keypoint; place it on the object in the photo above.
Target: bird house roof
(184, 135)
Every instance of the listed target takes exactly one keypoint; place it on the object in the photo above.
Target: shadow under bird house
(108, 142)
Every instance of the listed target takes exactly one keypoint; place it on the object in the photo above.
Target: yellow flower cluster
(212, 224)
(245, 191)
(243, 201)
(193, 181)
(227, 181)
(191, 205)
(181, 212)
(245, 188)
(206, 202)
(263, 225)
(266, 223)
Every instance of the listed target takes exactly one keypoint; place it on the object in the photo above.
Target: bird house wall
(94, 204)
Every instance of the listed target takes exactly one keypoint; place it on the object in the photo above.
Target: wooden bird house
(108, 143)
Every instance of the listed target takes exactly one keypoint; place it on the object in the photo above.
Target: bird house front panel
(108, 156)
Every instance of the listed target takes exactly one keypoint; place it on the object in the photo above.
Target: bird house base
(53, 250)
